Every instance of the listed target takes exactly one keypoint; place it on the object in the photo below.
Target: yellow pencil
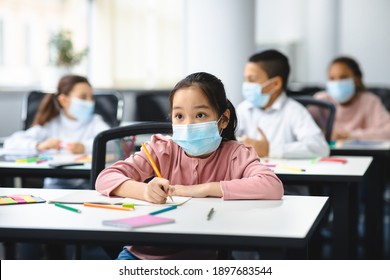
(155, 168)
(291, 168)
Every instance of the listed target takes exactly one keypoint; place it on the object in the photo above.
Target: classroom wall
(218, 38)
(312, 33)
(365, 34)
(10, 111)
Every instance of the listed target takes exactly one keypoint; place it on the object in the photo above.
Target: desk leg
(345, 217)
(374, 183)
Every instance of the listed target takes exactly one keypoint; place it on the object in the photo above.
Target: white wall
(313, 32)
(218, 38)
(365, 34)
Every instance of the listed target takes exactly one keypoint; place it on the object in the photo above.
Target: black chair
(108, 104)
(323, 112)
(100, 148)
(303, 89)
(383, 93)
(100, 143)
(152, 106)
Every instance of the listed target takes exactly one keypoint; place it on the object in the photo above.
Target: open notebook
(87, 196)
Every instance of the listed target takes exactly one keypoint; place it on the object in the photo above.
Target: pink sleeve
(137, 167)
(255, 181)
(377, 121)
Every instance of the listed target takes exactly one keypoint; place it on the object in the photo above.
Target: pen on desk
(113, 207)
(67, 207)
(163, 210)
(291, 168)
(210, 214)
(153, 164)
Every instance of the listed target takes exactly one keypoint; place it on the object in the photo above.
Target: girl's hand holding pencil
(164, 184)
(157, 190)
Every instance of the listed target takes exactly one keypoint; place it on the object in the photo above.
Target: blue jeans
(126, 255)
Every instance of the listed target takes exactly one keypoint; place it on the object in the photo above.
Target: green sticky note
(7, 200)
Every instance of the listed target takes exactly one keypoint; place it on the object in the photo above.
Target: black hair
(354, 66)
(214, 90)
(274, 63)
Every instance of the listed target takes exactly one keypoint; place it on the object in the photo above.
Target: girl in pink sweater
(359, 114)
(202, 159)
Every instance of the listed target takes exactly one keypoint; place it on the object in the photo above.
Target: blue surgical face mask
(197, 139)
(341, 90)
(253, 93)
(82, 110)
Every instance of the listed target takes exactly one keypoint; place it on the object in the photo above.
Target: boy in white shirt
(274, 124)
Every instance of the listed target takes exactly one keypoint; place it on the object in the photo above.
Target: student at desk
(64, 120)
(274, 124)
(201, 159)
(359, 114)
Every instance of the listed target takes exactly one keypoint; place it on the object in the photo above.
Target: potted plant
(62, 51)
(62, 59)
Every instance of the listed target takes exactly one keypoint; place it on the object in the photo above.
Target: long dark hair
(214, 90)
(354, 66)
(49, 108)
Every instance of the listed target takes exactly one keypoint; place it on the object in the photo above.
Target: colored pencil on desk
(113, 207)
(291, 168)
(155, 168)
(163, 210)
(67, 207)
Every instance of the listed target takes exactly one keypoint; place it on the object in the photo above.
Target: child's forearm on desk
(130, 188)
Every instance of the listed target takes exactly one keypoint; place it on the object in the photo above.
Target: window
(132, 43)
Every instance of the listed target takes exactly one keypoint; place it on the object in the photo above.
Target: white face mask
(253, 92)
(82, 110)
(197, 139)
(341, 90)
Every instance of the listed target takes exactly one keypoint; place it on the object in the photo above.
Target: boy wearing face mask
(359, 114)
(274, 124)
(64, 120)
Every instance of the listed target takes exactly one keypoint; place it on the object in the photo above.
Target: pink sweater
(237, 167)
(364, 118)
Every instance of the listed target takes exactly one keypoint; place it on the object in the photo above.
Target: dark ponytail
(229, 132)
(47, 110)
(214, 91)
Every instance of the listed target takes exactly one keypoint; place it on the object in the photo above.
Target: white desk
(342, 179)
(354, 167)
(33, 169)
(248, 224)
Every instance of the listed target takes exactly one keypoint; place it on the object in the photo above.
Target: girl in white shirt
(64, 120)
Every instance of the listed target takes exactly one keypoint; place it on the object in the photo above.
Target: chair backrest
(100, 142)
(383, 93)
(109, 104)
(323, 112)
(152, 106)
